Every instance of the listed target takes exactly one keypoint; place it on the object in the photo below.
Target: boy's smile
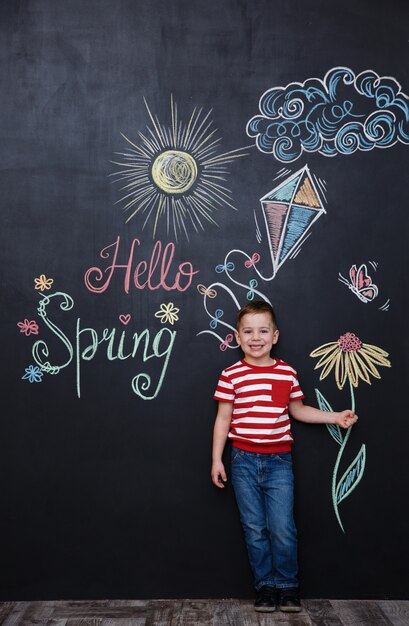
(256, 336)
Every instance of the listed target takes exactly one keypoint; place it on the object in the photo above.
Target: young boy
(255, 398)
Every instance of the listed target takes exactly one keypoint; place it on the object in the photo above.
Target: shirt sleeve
(224, 390)
(296, 393)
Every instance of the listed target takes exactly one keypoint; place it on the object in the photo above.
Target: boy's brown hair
(258, 306)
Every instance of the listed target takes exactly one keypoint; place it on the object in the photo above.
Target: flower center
(349, 343)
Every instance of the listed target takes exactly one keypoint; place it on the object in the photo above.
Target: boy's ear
(276, 336)
(236, 332)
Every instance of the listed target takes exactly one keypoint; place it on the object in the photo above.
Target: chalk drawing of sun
(176, 175)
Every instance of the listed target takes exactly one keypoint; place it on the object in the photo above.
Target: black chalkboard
(163, 163)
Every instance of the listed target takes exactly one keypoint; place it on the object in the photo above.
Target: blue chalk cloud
(340, 114)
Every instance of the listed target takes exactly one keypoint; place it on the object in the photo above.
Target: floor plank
(102, 608)
(162, 613)
(16, 616)
(322, 613)
(362, 612)
(5, 609)
(396, 610)
(228, 612)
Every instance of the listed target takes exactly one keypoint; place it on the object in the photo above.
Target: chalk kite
(289, 212)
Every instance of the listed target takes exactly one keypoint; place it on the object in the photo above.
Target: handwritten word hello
(156, 273)
(87, 342)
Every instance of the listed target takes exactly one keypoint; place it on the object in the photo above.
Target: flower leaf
(352, 476)
(335, 432)
(333, 429)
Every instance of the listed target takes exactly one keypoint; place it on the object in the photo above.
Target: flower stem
(337, 462)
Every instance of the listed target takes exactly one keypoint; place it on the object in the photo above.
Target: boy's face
(256, 336)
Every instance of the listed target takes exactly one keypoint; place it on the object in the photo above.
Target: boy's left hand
(345, 419)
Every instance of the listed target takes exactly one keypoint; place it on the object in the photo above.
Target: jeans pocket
(285, 457)
(236, 453)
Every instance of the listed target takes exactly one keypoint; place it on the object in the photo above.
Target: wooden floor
(201, 612)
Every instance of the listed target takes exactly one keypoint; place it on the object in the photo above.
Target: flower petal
(376, 354)
(360, 367)
(350, 371)
(326, 348)
(370, 364)
(340, 371)
(327, 357)
(328, 365)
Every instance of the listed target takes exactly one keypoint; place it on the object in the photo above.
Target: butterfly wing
(361, 283)
(366, 289)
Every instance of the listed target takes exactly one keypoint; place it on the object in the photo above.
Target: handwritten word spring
(113, 344)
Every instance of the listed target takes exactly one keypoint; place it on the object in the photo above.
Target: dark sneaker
(266, 600)
(289, 600)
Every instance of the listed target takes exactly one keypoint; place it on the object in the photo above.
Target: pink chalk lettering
(155, 273)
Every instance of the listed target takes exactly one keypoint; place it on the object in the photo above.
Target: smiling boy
(256, 396)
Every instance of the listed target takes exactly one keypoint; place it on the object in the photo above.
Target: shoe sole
(264, 609)
(290, 609)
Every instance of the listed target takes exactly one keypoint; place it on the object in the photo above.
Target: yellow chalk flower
(43, 282)
(168, 313)
(352, 360)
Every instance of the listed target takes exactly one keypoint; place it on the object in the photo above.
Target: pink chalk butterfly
(360, 283)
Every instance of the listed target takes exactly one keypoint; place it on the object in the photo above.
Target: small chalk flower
(352, 359)
(43, 282)
(167, 313)
(28, 327)
(33, 374)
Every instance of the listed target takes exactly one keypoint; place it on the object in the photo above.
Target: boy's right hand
(218, 474)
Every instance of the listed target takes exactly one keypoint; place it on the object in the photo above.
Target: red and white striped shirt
(260, 397)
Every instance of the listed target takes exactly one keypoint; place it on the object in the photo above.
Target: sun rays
(176, 175)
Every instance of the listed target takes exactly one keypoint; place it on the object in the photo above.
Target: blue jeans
(264, 485)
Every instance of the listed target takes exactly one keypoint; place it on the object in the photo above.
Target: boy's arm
(220, 432)
(311, 415)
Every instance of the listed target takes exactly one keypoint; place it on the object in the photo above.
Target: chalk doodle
(255, 258)
(252, 289)
(227, 267)
(385, 306)
(168, 313)
(42, 283)
(288, 211)
(218, 314)
(360, 283)
(33, 374)
(216, 321)
(156, 272)
(28, 327)
(176, 174)
(340, 114)
(125, 318)
(205, 291)
(352, 361)
(225, 344)
(87, 342)
(68, 343)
